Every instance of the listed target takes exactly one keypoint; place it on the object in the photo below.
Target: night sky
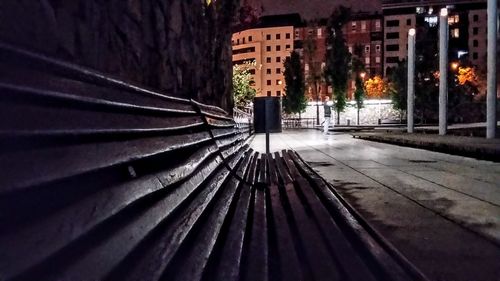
(310, 9)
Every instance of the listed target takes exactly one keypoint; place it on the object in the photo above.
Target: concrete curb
(482, 151)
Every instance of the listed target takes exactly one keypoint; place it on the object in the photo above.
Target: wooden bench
(103, 180)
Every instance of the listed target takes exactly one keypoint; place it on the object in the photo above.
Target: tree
(359, 95)
(338, 58)
(242, 80)
(314, 73)
(294, 100)
(398, 88)
(376, 87)
(358, 69)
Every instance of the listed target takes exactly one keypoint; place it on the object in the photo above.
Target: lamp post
(411, 81)
(491, 95)
(362, 75)
(443, 71)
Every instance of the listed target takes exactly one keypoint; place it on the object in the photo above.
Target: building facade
(364, 38)
(467, 28)
(267, 45)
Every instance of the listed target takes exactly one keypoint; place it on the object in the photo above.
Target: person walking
(328, 114)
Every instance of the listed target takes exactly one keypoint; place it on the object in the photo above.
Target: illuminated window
(432, 21)
(455, 33)
(453, 19)
(363, 26)
(377, 59)
(377, 24)
(367, 60)
(318, 32)
(353, 26)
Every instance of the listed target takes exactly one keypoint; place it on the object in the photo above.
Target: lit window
(278, 82)
(455, 33)
(318, 32)
(306, 67)
(353, 26)
(377, 59)
(363, 25)
(367, 60)
(453, 19)
(420, 10)
(377, 24)
(350, 49)
(432, 21)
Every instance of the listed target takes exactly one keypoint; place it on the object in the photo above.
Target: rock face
(180, 47)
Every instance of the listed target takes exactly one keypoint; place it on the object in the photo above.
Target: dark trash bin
(272, 114)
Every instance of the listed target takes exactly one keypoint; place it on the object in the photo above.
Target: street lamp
(454, 65)
(362, 75)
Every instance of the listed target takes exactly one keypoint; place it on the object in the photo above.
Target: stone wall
(368, 115)
(179, 47)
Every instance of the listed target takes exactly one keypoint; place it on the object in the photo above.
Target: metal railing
(298, 123)
(244, 119)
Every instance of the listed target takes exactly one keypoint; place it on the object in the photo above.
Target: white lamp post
(443, 71)
(491, 96)
(411, 80)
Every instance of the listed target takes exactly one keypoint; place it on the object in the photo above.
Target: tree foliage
(294, 100)
(338, 57)
(376, 87)
(398, 86)
(242, 80)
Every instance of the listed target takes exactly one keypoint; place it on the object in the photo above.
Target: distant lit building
(365, 31)
(467, 27)
(269, 43)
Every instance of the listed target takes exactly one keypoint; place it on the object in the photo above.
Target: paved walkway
(441, 211)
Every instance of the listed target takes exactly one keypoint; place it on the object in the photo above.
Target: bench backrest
(85, 157)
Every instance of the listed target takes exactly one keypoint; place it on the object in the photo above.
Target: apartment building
(268, 45)
(467, 26)
(477, 38)
(365, 31)
(313, 35)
